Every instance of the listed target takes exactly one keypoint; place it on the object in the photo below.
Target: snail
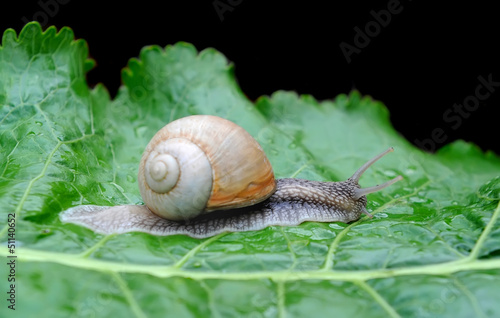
(203, 175)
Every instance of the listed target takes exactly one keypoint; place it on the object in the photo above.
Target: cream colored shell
(203, 163)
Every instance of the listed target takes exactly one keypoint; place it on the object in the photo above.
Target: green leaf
(432, 249)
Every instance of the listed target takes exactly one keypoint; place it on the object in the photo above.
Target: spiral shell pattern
(202, 163)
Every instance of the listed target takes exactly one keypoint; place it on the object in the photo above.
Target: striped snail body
(203, 175)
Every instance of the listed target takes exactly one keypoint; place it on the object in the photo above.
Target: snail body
(203, 175)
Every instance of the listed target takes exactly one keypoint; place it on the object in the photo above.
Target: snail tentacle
(355, 177)
(364, 191)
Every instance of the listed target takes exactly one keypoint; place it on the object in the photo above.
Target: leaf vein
(378, 298)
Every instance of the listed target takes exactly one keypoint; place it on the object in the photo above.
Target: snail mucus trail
(289, 202)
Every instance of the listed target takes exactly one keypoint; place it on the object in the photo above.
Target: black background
(425, 60)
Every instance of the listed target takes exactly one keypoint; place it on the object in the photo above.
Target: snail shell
(203, 163)
(204, 175)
